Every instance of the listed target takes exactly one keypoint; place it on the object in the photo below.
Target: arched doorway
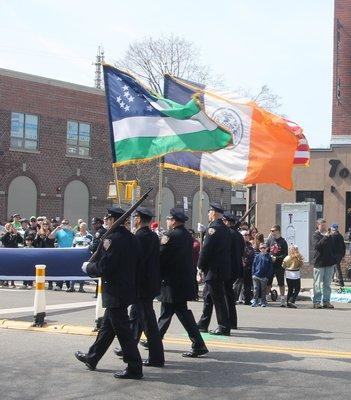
(22, 197)
(167, 204)
(205, 207)
(76, 202)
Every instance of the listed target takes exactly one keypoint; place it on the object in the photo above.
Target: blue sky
(285, 44)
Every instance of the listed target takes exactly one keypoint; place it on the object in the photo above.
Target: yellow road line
(87, 331)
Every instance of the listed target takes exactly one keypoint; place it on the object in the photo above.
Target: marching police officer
(237, 247)
(178, 281)
(215, 263)
(117, 268)
(142, 315)
(97, 224)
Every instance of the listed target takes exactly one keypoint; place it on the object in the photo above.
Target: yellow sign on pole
(125, 190)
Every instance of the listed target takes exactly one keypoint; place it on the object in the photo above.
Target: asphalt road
(276, 354)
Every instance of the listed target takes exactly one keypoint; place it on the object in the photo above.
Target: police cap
(216, 207)
(230, 217)
(178, 214)
(96, 220)
(115, 212)
(143, 211)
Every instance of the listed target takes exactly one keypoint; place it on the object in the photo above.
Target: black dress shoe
(128, 375)
(144, 343)
(82, 357)
(118, 352)
(194, 353)
(148, 363)
(220, 332)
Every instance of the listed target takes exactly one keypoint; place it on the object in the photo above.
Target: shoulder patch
(164, 239)
(107, 243)
(211, 231)
(97, 234)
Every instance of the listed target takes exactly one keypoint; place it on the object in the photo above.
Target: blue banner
(61, 264)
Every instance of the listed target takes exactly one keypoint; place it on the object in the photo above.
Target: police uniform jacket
(237, 248)
(149, 281)
(178, 274)
(215, 255)
(118, 268)
(96, 239)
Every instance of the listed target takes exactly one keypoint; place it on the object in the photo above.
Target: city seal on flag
(230, 120)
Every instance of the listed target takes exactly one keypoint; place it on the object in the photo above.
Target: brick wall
(341, 124)
(51, 169)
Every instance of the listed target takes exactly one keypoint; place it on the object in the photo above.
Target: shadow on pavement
(287, 334)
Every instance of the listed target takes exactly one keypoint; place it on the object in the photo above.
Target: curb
(54, 328)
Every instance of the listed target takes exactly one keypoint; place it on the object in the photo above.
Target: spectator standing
(259, 238)
(324, 260)
(76, 227)
(16, 221)
(28, 245)
(82, 239)
(64, 236)
(32, 228)
(248, 258)
(11, 239)
(278, 249)
(339, 251)
(292, 264)
(262, 270)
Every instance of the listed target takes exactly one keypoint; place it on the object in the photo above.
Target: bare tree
(150, 59)
(264, 98)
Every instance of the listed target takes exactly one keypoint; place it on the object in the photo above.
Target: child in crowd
(292, 264)
(262, 270)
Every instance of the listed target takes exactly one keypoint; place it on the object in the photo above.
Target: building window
(312, 196)
(24, 131)
(78, 138)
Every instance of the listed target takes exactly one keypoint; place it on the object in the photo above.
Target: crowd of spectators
(43, 232)
(263, 258)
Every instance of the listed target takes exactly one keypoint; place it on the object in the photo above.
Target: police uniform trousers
(116, 323)
(185, 317)
(214, 295)
(143, 319)
(230, 300)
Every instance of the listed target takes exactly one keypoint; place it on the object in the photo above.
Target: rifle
(120, 221)
(237, 225)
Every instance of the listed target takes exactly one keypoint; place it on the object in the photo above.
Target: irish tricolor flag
(264, 147)
(144, 126)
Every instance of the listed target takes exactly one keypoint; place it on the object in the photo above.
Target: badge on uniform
(211, 231)
(97, 234)
(164, 239)
(106, 243)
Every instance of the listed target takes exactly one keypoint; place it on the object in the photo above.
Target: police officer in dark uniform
(237, 247)
(178, 281)
(142, 315)
(99, 231)
(215, 264)
(117, 267)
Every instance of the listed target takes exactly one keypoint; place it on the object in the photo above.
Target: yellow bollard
(39, 299)
(99, 310)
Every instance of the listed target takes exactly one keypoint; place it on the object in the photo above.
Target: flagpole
(160, 186)
(201, 203)
(116, 183)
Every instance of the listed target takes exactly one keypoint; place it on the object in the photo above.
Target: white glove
(200, 227)
(85, 266)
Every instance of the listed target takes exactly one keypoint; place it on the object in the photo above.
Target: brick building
(327, 181)
(55, 155)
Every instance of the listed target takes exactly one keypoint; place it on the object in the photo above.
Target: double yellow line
(212, 344)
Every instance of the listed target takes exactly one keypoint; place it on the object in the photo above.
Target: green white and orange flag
(144, 126)
(263, 148)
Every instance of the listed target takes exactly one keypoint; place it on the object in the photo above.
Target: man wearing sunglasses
(215, 264)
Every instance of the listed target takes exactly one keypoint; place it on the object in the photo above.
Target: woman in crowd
(11, 239)
(292, 264)
(259, 238)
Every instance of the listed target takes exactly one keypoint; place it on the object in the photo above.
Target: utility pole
(100, 59)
